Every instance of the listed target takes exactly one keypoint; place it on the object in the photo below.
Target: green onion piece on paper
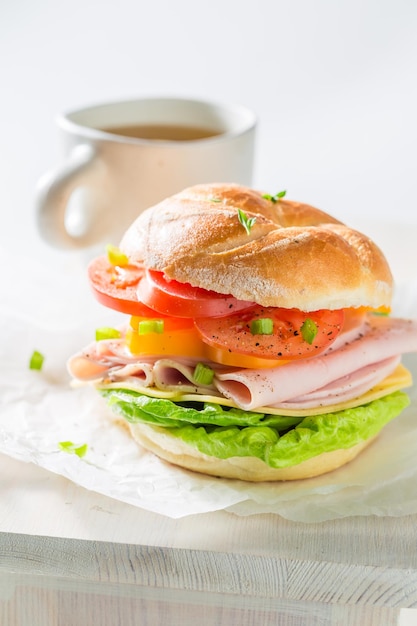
(262, 326)
(115, 256)
(309, 330)
(73, 448)
(106, 332)
(203, 374)
(36, 360)
(151, 326)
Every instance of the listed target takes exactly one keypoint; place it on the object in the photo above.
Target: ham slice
(383, 338)
(351, 386)
(109, 359)
(178, 375)
(133, 372)
(359, 360)
(85, 369)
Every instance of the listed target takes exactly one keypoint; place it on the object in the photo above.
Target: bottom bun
(176, 451)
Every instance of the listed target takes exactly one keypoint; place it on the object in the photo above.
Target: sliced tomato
(183, 300)
(115, 286)
(181, 338)
(233, 333)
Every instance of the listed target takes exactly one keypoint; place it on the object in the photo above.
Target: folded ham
(382, 338)
(359, 360)
(343, 389)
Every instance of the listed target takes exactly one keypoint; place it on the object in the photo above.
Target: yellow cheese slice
(400, 378)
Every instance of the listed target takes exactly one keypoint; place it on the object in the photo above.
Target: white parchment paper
(50, 309)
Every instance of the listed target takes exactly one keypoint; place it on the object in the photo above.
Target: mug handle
(53, 194)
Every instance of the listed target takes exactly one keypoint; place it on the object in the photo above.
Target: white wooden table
(69, 556)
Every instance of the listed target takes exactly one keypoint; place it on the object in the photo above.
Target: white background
(333, 82)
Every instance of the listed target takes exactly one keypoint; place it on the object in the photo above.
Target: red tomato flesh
(115, 286)
(138, 292)
(182, 300)
(233, 333)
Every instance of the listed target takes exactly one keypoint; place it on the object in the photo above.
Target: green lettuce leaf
(136, 407)
(278, 441)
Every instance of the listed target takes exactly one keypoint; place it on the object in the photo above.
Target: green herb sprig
(276, 197)
(246, 221)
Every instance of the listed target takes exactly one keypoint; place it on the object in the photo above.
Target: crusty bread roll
(295, 256)
(292, 256)
(177, 452)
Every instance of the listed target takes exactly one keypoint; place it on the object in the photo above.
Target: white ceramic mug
(107, 178)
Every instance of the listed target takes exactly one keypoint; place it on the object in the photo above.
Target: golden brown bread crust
(252, 469)
(295, 255)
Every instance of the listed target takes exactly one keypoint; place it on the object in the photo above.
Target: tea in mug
(162, 132)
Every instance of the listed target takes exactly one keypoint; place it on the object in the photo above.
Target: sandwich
(256, 340)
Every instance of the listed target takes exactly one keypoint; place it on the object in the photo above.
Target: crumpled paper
(50, 308)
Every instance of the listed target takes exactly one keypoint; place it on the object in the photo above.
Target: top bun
(294, 256)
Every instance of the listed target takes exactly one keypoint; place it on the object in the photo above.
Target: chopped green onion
(215, 199)
(151, 326)
(309, 330)
(36, 360)
(73, 448)
(278, 196)
(262, 326)
(247, 222)
(106, 332)
(115, 256)
(203, 374)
